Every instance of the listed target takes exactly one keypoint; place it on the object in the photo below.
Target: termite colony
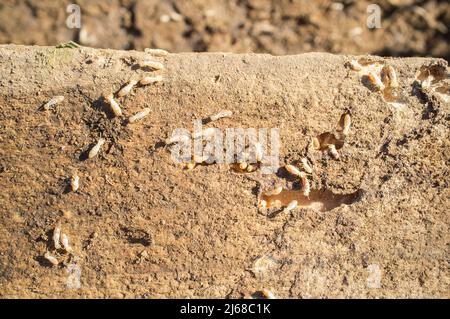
(433, 79)
(379, 77)
(61, 246)
(60, 239)
(289, 199)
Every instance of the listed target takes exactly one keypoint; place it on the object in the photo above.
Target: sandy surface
(141, 226)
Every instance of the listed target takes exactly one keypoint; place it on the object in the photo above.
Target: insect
(293, 170)
(291, 206)
(375, 81)
(426, 84)
(127, 88)
(250, 168)
(262, 203)
(277, 190)
(152, 65)
(315, 143)
(114, 105)
(221, 114)
(51, 259)
(96, 148)
(305, 185)
(53, 101)
(258, 152)
(355, 66)
(333, 151)
(176, 139)
(140, 115)
(56, 237)
(389, 76)
(306, 166)
(65, 243)
(268, 294)
(347, 123)
(75, 182)
(150, 79)
(243, 166)
(156, 52)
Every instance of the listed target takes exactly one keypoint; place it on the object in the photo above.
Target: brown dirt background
(409, 27)
(142, 227)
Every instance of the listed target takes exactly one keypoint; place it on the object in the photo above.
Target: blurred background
(408, 27)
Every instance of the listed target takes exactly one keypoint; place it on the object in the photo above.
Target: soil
(408, 27)
(141, 226)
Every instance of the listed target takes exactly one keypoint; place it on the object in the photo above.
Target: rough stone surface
(141, 226)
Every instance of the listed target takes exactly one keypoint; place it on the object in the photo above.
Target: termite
(293, 170)
(221, 114)
(355, 66)
(56, 237)
(333, 151)
(389, 76)
(75, 182)
(177, 138)
(53, 101)
(127, 88)
(140, 115)
(65, 243)
(96, 148)
(306, 166)
(305, 185)
(152, 65)
(268, 294)
(426, 84)
(258, 152)
(262, 203)
(250, 168)
(150, 79)
(51, 259)
(375, 81)
(243, 166)
(114, 105)
(190, 166)
(156, 52)
(200, 158)
(277, 190)
(346, 125)
(291, 206)
(315, 143)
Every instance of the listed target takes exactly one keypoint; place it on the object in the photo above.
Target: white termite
(258, 152)
(376, 82)
(150, 79)
(177, 138)
(114, 105)
(268, 294)
(355, 66)
(96, 148)
(140, 115)
(65, 243)
(306, 188)
(277, 190)
(51, 259)
(346, 125)
(221, 114)
(291, 206)
(333, 151)
(127, 88)
(389, 72)
(155, 65)
(53, 101)
(308, 169)
(293, 170)
(56, 237)
(156, 52)
(74, 182)
(315, 143)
